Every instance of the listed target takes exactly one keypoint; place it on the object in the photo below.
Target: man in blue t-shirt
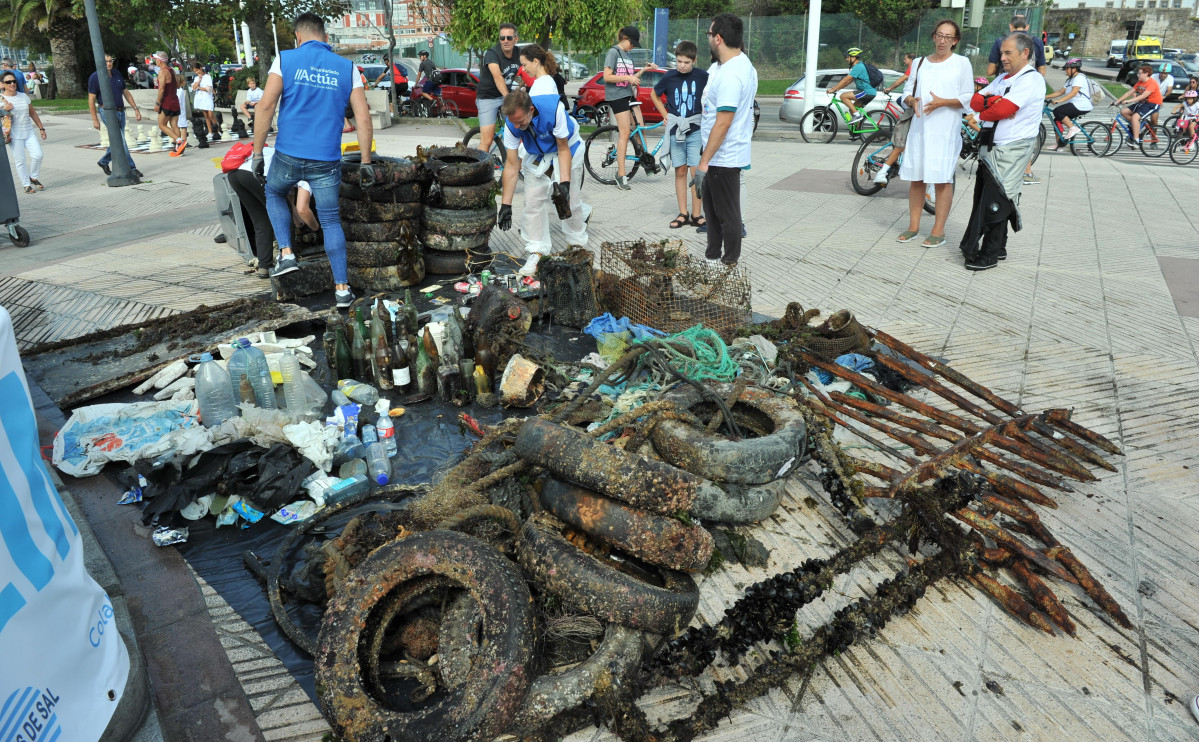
(95, 104)
(863, 91)
(1018, 23)
(683, 88)
(311, 86)
(8, 64)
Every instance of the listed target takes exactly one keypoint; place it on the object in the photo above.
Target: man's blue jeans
(107, 158)
(325, 180)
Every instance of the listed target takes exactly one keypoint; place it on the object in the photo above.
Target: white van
(1115, 52)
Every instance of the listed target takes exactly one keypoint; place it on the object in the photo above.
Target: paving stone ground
(1080, 315)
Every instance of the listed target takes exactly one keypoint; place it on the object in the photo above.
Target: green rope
(709, 359)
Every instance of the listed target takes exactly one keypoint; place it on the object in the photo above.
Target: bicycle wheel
(1115, 139)
(1042, 134)
(449, 110)
(818, 125)
(497, 151)
(1171, 124)
(588, 114)
(1155, 141)
(604, 115)
(1183, 151)
(883, 121)
(1098, 140)
(600, 155)
(868, 161)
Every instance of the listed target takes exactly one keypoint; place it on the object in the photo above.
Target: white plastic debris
(168, 391)
(173, 370)
(315, 441)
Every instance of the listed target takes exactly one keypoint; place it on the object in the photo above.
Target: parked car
(460, 86)
(1128, 72)
(793, 106)
(1172, 53)
(591, 93)
(571, 69)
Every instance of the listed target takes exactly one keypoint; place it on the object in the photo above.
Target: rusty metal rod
(1085, 579)
(929, 382)
(1013, 602)
(1010, 508)
(1060, 418)
(1074, 447)
(1009, 540)
(878, 471)
(821, 406)
(1044, 598)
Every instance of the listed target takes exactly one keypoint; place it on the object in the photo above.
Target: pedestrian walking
(311, 86)
(683, 89)
(621, 79)
(95, 104)
(938, 92)
(1010, 109)
(167, 103)
(7, 64)
(25, 141)
(1018, 24)
(501, 64)
(726, 128)
(202, 101)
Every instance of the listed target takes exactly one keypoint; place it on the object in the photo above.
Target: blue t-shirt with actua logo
(316, 89)
(683, 93)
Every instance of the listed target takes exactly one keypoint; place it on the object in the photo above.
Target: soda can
(485, 278)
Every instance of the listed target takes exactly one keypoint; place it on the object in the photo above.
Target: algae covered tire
(455, 242)
(587, 584)
(456, 263)
(374, 211)
(389, 171)
(465, 197)
(380, 254)
(485, 703)
(388, 277)
(655, 539)
(392, 231)
(461, 166)
(457, 221)
(779, 444)
(738, 504)
(404, 193)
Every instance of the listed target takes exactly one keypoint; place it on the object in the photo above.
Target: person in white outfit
(25, 142)
(544, 144)
(939, 90)
(202, 100)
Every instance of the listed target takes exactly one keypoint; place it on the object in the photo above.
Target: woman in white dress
(24, 140)
(939, 90)
(202, 100)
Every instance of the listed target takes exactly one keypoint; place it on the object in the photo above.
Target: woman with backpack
(1073, 100)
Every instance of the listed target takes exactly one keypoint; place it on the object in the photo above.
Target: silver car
(793, 106)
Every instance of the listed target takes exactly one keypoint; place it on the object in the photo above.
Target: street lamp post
(122, 175)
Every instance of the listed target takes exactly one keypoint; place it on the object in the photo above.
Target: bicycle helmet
(853, 51)
(1191, 94)
(1076, 63)
(981, 81)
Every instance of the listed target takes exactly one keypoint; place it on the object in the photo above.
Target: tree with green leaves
(587, 23)
(891, 19)
(57, 20)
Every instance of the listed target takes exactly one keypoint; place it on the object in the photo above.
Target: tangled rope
(697, 353)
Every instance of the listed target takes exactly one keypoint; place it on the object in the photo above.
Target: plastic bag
(98, 434)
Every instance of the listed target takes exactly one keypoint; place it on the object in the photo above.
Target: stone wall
(1096, 27)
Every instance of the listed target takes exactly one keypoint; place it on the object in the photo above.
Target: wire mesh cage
(567, 289)
(659, 284)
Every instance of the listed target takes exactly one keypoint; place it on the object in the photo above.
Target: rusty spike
(1014, 544)
(937, 431)
(1073, 446)
(878, 471)
(927, 381)
(1016, 510)
(1010, 487)
(1044, 598)
(1085, 579)
(824, 406)
(1059, 418)
(956, 377)
(1013, 602)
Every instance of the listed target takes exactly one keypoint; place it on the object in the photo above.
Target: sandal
(907, 236)
(680, 221)
(702, 222)
(29, 189)
(934, 240)
(37, 183)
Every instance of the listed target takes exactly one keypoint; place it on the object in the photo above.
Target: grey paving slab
(1084, 314)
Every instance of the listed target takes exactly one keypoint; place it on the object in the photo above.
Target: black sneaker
(1002, 253)
(285, 264)
(343, 298)
(981, 264)
(138, 173)
(107, 170)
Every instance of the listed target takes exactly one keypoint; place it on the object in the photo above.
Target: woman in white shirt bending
(24, 137)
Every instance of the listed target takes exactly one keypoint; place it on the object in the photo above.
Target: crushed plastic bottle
(357, 391)
(346, 488)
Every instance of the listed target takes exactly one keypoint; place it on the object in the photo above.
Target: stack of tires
(459, 211)
(382, 222)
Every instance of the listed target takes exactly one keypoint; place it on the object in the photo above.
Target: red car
(592, 94)
(459, 85)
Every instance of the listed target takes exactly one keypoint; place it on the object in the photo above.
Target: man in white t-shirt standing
(726, 128)
(1010, 111)
(1165, 83)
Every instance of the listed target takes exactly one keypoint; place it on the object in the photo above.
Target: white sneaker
(530, 266)
(881, 176)
(1073, 132)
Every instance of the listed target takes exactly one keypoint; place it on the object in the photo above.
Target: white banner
(63, 666)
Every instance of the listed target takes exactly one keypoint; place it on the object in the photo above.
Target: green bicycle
(820, 124)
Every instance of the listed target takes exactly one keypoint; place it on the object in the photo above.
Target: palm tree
(58, 21)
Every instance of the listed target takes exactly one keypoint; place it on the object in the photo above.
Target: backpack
(435, 79)
(874, 74)
(1096, 92)
(236, 155)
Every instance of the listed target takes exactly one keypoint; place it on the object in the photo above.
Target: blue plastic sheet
(606, 323)
(852, 361)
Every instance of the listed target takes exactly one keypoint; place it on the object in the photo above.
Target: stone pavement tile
(1028, 712)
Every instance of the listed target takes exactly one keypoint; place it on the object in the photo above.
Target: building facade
(364, 26)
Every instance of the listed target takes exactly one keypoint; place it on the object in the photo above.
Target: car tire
(455, 242)
(404, 193)
(404, 230)
(456, 263)
(465, 197)
(461, 166)
(387, 277)
(496, 685)
(372, 211)
(389, 171)
(458, 221)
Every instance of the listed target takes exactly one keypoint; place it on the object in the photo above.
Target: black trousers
(252, 195)
(988, 219)
(722, 208)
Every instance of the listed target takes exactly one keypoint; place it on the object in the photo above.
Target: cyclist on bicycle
(1072, 101)
(863, 91)
(1144, 99)
(1190, 113)
(428, 82)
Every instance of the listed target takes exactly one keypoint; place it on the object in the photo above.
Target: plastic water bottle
(352, 467)
(214, 392)
(377, 463)
(369, 435)
(251, 361)
(359, 392)
(387, 434)
(346, 488)
(293, 383)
